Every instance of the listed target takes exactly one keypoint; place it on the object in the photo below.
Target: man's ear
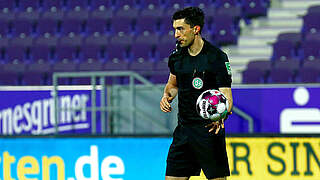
(197, 29)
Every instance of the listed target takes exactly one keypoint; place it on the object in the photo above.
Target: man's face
(183, 33)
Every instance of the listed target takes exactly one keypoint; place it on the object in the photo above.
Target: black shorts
(194, 148)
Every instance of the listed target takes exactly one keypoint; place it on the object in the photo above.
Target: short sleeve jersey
(211, 65)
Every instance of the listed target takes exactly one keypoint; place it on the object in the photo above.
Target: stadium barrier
(251, 157)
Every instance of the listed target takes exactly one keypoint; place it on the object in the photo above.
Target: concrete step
(255, 40)
(280, 22)
(299, 3)
(286, 12)
(250, 50)
(273, 31)
(243, 59)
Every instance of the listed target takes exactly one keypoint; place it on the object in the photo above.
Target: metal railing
(106, 104)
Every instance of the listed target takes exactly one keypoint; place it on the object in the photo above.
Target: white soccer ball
(212, 104)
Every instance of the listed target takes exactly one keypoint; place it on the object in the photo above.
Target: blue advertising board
(277, 109)
(83, 158)
(33, 111)
(274, 109)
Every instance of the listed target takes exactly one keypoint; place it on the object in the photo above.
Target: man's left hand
(217, 125)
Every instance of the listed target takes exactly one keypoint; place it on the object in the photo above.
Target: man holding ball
(196, 66)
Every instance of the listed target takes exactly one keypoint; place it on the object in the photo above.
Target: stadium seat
(146, 23)
(141, 51)
(71, 4)
(9, 5)
(253, 76)
(27, 4)
(74, 21)
(311, 23)
(52, 4)
(225, 31)
(309, 75)
(121, 24)
(284, 49)
(281, 75)
(254, 8)
(310, 49)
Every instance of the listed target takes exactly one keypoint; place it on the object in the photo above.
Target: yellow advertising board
(273, 158)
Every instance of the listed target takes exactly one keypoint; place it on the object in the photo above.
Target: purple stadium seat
(11, 71)
(151, 10)
(126, 10)
(117, 51)
(202, 3)
(263, 65)
(142, 51)
(180, 3)
(284, 49)
(115, 64)
(146, 23)
(291, 64)
(71, 4)
(122, 39)
(91, 51)
(166, 25)
(254, 8)
(235, 12)
(313, 9)
(97, 39)
(96, 25)
(6, 4)
(294, 37)
(47, 26)
(121, 24)
(68, 47)
(163, 50)
(312, 36)
(37, 73)
(168, 38)
(90, 65)
(95, 4)
(141, 65)
(40, 53)
(315, 63)
(309, 75)
(74, 21)
(161, 72)
(6, 18)
(25, 22)
(99, 20)
(281, 75)
(226, 3)
(52, 4)
(4, 42)
(63, 66)
(18, 48)
(147, 38)
(311, 23)
(225, 31)
(25, 4)
(53, 13)
(253, 76)
(310, 49)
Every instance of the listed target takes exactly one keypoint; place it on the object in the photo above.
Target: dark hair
(193, 16)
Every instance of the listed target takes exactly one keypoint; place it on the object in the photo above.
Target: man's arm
(228, 93)
(169, 93)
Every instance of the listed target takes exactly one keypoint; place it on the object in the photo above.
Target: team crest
(197, 83)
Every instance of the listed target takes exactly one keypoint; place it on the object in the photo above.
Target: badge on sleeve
(228, 67)
(197, 83)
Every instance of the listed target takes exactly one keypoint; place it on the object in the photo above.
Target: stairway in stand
(256, 39)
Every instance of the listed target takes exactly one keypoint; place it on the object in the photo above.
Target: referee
(195, 66)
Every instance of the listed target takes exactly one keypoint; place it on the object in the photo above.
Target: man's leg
(176, 178)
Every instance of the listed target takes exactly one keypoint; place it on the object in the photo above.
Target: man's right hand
(165, 103)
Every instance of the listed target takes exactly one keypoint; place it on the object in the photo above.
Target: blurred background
(81, 82)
